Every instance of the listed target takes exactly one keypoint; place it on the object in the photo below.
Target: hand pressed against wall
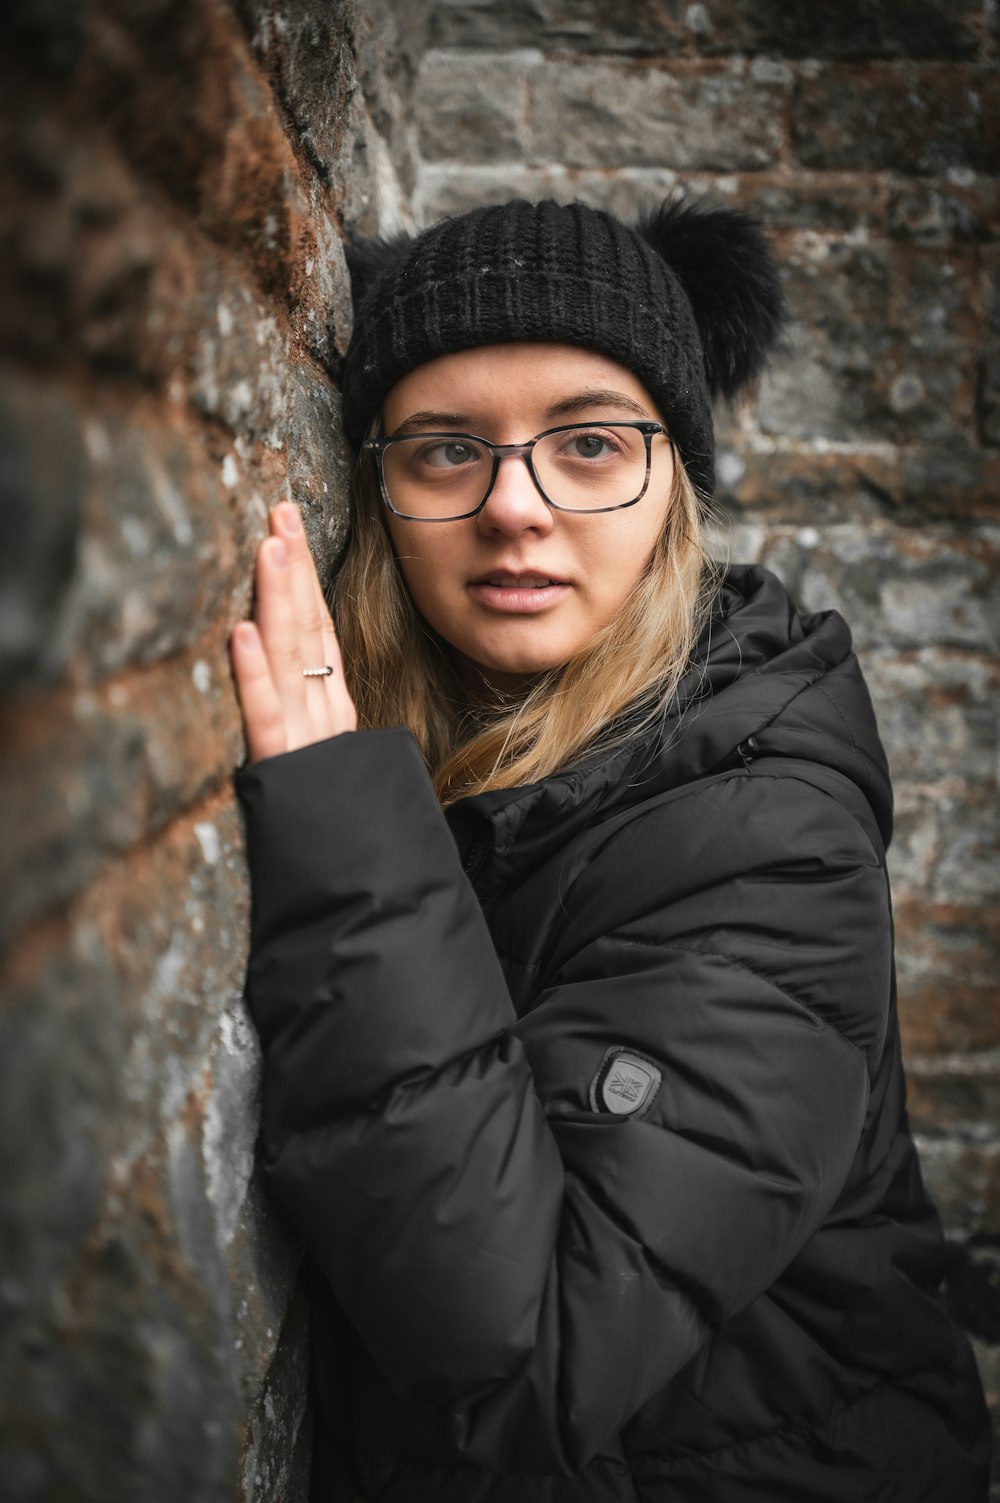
(283, 709)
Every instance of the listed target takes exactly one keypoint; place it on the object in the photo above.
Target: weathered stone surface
(129, 1209)
(173, 282)
(367, 183)
(699, 117)
(828, 204)
(319, 463)
(946, 845)
(947, 940)
(928, 28)
(942, 210)
(239, 369)
(647, 26)
(167, 93)
(881, 349)
(269, 1459)
(188, 107)
(910, 120)
(587, 114)
(453, 187)
(89, 774)
(962, 1175)
(155, 551)
(307, 54)
(320, 300)
(859, 28)
(127, 1386)
(897, 589)
(129, 291)
(906, 485)
(954, 1092)
(938, 715)
(946, 1016)
(41, 501)
(454, 107)
(67, 1085)
(389, 39)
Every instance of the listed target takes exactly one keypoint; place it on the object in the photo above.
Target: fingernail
(288, 516)
(245, 636)
(279, 556)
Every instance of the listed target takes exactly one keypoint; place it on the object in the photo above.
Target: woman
(573, 966)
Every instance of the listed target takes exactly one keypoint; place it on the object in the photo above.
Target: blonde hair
(400, 672)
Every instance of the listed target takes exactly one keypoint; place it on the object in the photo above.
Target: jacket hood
(761, 670)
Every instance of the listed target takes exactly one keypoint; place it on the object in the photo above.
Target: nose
(515, 504)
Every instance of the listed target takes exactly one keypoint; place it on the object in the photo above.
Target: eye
(445, 456)
(589, 445)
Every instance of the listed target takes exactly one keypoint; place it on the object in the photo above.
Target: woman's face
(476, 580)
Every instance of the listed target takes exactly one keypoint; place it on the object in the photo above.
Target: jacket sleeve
(528, 1266)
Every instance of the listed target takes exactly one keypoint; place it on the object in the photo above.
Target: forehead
(512, 381)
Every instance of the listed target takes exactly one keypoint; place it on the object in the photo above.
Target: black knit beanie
(689, 300)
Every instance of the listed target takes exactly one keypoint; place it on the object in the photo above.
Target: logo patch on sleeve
(625, 1084)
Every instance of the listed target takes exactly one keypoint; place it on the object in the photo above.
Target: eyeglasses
(582, 467)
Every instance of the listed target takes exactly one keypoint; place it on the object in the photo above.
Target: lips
(518, 593)
(519, 584)
(504, 580)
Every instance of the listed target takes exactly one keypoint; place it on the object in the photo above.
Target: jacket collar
(760, 670)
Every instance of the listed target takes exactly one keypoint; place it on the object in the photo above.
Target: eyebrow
(431, 422)
(597, 397)
(581, 401)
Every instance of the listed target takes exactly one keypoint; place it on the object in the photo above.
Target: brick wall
(176, 182)
(866, 135)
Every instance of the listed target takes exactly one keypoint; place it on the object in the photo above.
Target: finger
(279, 632)
(317, 637)
(263, 721)
(311, 614)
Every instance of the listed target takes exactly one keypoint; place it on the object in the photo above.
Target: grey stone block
(474, 106)
(685, 118)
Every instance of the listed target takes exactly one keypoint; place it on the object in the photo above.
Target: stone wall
(176, 186)
(866, 135)
(176, 182)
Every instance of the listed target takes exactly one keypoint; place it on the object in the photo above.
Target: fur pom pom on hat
(689, 300)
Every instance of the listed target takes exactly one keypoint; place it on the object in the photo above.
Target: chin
(506, 671)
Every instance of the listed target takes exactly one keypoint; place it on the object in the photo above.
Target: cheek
(425, 564)
(615, 564)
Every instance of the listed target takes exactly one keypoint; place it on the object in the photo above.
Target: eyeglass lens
(580, 469)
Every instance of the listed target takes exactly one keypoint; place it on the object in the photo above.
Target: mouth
(506, 581)
(518, 594)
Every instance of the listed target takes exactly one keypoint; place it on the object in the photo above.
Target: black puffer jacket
(590, 1107)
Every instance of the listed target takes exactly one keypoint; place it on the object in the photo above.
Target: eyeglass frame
(500, 452)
